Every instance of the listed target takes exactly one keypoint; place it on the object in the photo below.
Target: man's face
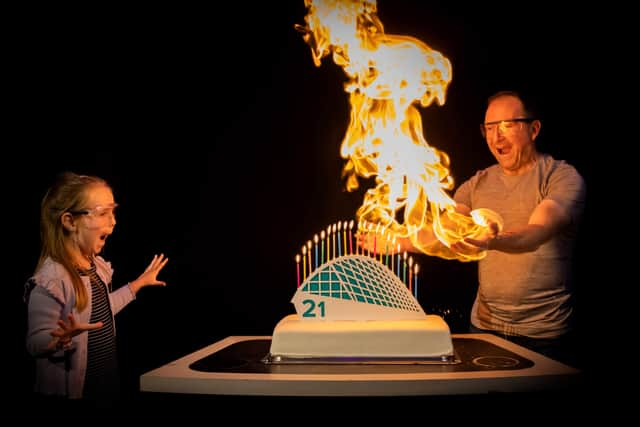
(511, 141)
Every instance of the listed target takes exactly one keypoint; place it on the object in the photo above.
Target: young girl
(71, 306)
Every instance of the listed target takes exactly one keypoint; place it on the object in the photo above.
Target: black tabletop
(249, 357)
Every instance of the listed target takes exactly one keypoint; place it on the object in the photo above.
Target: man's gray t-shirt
(528, 293)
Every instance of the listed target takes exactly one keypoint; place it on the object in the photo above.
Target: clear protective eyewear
(504, 127)
(99, 215)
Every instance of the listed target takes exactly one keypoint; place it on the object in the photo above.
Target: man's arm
(545, 221)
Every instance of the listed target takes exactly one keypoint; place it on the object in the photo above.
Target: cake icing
(426, 338)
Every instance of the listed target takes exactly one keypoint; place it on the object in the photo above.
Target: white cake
(427, 338)
(354, 307)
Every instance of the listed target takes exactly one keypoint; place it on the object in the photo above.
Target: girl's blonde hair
(68, 193)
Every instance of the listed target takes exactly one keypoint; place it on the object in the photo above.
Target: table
(234, 366)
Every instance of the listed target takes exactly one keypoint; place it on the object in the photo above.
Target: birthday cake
(428, 338)
(354, 309)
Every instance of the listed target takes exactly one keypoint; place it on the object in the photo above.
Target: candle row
(338, 242)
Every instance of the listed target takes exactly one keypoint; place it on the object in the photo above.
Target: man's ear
(68, 221)
(536, 125)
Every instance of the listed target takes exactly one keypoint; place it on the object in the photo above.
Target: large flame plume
(388, 76)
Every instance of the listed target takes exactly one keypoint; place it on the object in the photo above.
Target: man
(525, 280)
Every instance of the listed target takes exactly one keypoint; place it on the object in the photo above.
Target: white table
(484, 376)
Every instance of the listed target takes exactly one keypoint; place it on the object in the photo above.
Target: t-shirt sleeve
(568, 189)
(463, 194)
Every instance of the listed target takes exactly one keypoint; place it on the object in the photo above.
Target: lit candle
(398, 270)
(333, 230)
(386, 250)
(363, 238)
(382, 236)
(315, 241)
(344, 237)
(304, 262)
(410, 274)
(298, 268)
(415, 281)
(375, 240)
(309, 250)
(369, 228)
(329, 243)
(351, 237)
(393, 252)
(322, 240)
(339, 239)
(404, 270)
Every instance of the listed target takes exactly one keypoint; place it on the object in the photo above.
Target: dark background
(221, 140)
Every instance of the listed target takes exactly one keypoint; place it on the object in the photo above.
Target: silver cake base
(274, 359)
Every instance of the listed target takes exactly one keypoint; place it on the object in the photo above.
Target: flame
(388, 76)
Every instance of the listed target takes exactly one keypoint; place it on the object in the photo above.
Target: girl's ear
(68, 221)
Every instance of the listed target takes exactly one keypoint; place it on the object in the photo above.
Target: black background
(221, 141)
